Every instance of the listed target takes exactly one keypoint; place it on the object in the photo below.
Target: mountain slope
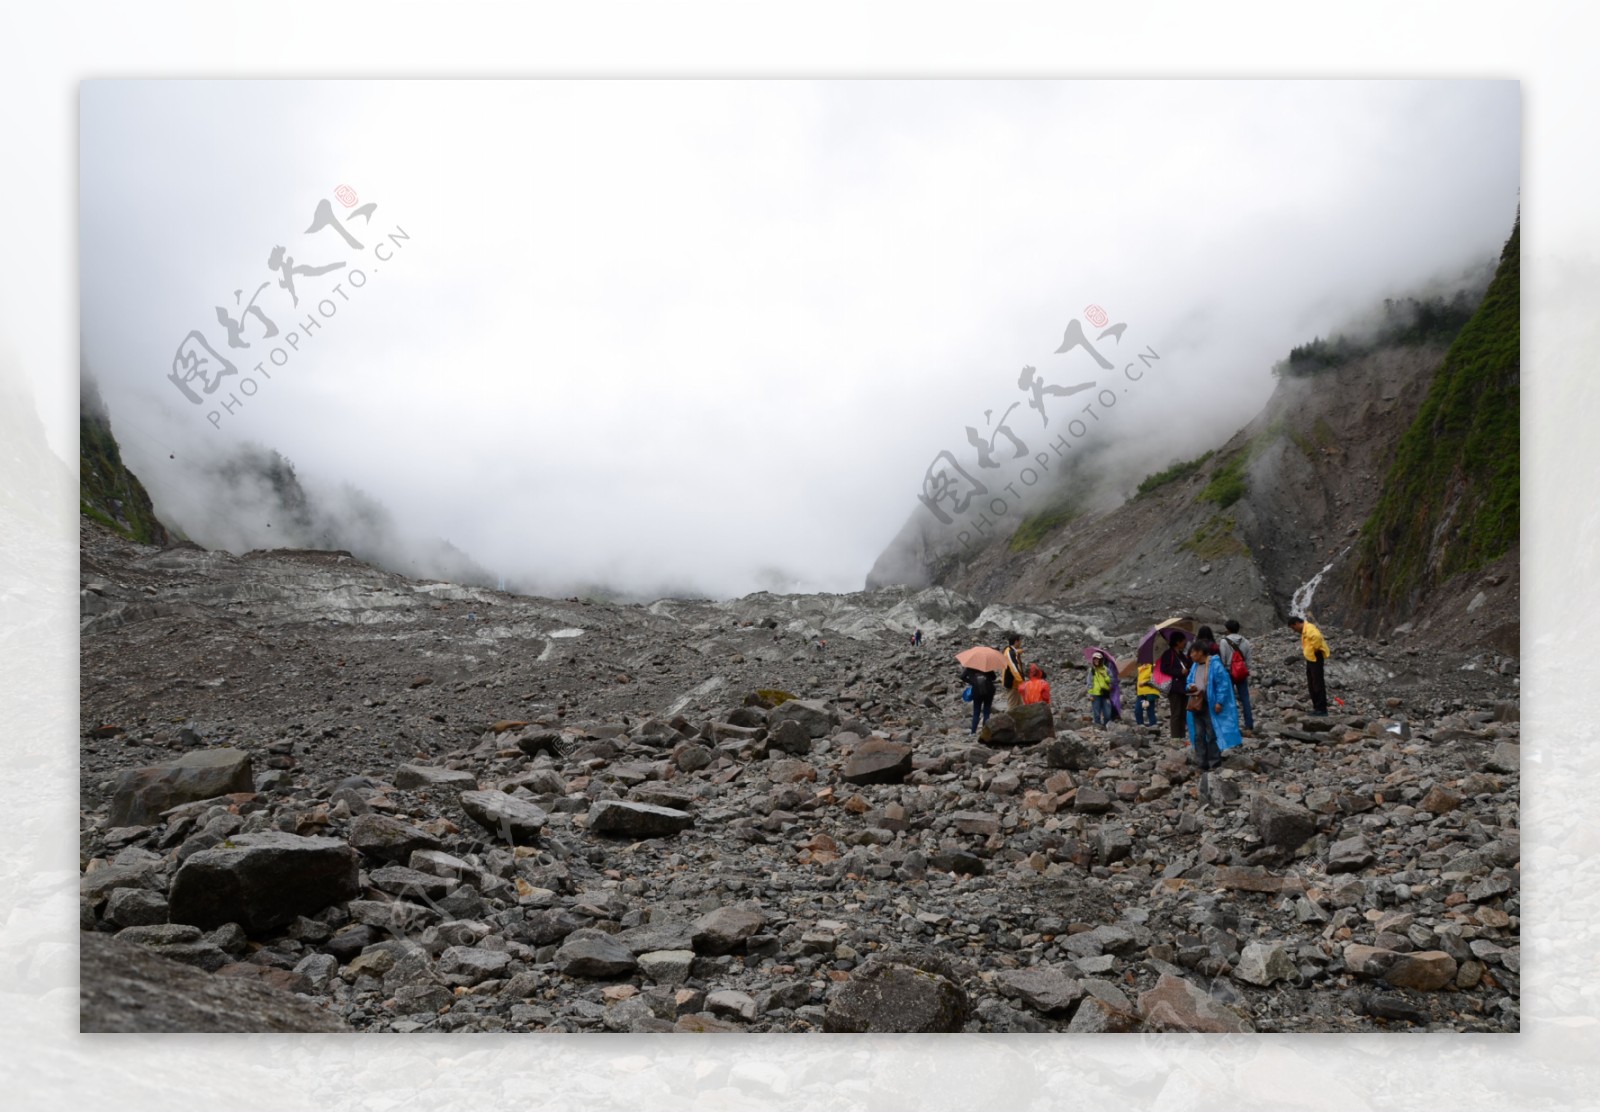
(107, 491)
(1250, 528)
(1451, 498)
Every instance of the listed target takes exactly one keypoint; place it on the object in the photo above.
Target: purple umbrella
(1116, 685)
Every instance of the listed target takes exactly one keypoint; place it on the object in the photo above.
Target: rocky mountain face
(1384, 464)
(402, 805)
(1447, 521)
(107, 491)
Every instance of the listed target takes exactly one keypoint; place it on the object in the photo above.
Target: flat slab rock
(623, 817)
(506, 817)
(427, 776)
(125, 987)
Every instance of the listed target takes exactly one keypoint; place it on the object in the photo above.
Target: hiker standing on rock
(1013, 675)
(1315, 649)
(1175, 663)
(1236, 659)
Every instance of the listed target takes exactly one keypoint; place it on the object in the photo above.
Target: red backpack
(1238, 667)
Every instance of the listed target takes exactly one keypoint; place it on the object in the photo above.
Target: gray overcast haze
(708, 336)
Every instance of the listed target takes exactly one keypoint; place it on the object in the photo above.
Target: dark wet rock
(1068, 751)
(887, 996)
(131, 907)
(263, 881)
(789, 736)
(813, 716)
(141, 795)
(591, 954)
(621, 817)
(1281, 823)
(878, 761)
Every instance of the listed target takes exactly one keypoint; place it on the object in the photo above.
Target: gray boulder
(877, 761)
(812, 715)
(897, 997)
(516, 821)
(141, 795)
(1281, 823)
(263, 881)
(594, 954)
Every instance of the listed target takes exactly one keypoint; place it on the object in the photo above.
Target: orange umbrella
(982, 658)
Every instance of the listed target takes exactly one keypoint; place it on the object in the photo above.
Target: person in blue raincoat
(1214, 727)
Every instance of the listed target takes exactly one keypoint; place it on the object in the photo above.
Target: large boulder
(1033, 722)
(1000, 730)
(1281, 823)
(877, 761)
(812, 715)
(791, 737)
(621, 817)
(886, 996)
(263, 881)
(516, 821)
(126, 987)
(141, 795)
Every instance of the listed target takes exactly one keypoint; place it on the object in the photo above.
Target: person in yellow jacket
(1315, 648)
(1145, 694)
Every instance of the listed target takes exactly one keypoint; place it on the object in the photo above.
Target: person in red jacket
(1035, 689)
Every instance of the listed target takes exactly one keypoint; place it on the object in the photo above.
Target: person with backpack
(982, 685)
(1013, 672)
(1236, 659)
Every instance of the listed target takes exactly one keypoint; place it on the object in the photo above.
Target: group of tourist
(1207, 686)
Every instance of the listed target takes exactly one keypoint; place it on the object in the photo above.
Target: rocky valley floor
(318, 796)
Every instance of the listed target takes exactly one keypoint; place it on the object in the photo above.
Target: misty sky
(695, 335)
